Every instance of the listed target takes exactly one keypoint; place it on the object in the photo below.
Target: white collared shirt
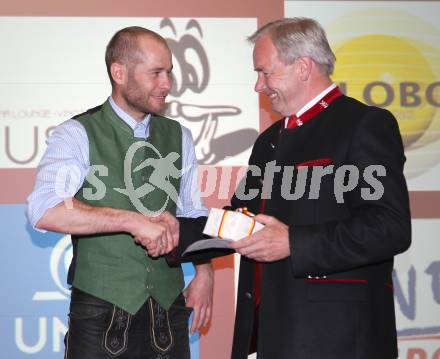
(311, 103)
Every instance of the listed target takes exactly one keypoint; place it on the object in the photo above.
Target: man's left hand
(199, 295)
(268, 244)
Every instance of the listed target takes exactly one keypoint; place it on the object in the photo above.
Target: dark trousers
(101, 330)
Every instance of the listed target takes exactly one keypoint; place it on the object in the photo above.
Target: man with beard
(316, 281)
(126, 300)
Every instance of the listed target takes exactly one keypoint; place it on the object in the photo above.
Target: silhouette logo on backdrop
(60, 259)
(192, 74)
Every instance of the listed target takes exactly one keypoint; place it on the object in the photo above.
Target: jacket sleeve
(191, 230)
(377, 228)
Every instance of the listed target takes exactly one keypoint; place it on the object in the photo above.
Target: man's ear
(119, 73)
(304, 67)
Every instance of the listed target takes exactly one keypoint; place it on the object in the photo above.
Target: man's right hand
(159, 235)
(173, 226)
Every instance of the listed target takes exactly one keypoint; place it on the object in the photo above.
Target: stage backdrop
(52, 67)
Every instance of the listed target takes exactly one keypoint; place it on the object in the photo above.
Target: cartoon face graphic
(191, 66)
(191, 73)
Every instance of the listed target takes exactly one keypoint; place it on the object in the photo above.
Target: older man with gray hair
(316, 281)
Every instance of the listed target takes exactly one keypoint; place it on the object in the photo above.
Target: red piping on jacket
(319, 280)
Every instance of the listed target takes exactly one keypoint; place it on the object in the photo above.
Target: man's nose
(260, 85)
(167, 82)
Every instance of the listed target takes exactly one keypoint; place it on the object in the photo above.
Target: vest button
(148, 269)
(248, 295)
(149, 286)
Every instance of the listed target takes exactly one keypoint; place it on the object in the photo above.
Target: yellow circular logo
(392, 61)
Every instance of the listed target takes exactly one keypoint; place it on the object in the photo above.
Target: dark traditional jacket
(332, 297)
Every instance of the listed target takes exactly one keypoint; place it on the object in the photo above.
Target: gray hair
(296, 37)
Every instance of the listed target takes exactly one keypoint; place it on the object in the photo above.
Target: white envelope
(225, 226)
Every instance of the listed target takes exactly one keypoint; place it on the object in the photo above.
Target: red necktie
(319, 106)
(293, 122)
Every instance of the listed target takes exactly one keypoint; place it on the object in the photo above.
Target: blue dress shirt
(66, 163)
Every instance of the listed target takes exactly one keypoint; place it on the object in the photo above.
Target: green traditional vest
(112, 266)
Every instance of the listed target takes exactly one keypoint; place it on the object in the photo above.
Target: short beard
(134, 98)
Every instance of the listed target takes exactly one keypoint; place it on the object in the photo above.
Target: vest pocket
(103, 256)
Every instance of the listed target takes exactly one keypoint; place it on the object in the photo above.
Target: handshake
(232, 231)
(158, 235)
